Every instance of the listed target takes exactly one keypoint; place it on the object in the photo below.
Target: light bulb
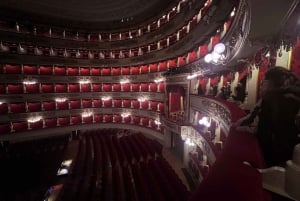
(219, 48)
(208, 58)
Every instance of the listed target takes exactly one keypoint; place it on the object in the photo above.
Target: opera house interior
(139, 100)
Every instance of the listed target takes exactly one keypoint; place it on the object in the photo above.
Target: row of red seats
(39, 106)
(19, 126)
(20, 88)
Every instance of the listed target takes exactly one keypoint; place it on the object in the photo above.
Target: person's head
(277, 78)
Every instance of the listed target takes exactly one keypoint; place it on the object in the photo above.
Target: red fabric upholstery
(116, 87)
(181, 61)
(135, 87)
(3, 108)
(153, 105)
(134, 70)
(15, 88)
(62, 105)
(13, 69)
(47, 88)
(87, 119)
(117, 118)
(50, 122)
(76, 120)
(61, 88)
(63, 121)
(46, 70)
(49, 105)
(107, 103)
(126, 103)
(172, 63)
(107, 118)
(17, 107)
(32, 88)
(95, 71)
(107, 87)
(144, 69)
(85, 87)
(73, 71)
(98, 118)
(117, 103)
(125, 71)
(116, 71)
(162, 66)
(126, 87)
(84, 71)
(74, 87)
(161, 107)
(153, 87)
(144, 121)
(135, 119)
(127, 119)
(34, 106)
(192, 56)
(135, 104)
(60, 70)
(4, 128)
(144, 105)
(36, 125)
(153, 68)
(144, 87)
(161, 87)
(20, 126)
(96, 87)
(203, 51)
(86, 103)
(75, 104)
(97, 103)
(30, 70)
(105, 71)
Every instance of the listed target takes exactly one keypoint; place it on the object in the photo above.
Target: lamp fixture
(34, 119)
(159, 79)
(29, 81)
(124, 81)
(204, 121)
(60, 100)
(106, 98)
(84, 81)
(125, 114)
(87, 114)
(157, 122)
(218, 55)
(142, 99)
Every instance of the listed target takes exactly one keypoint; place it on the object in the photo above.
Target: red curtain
(174, 102)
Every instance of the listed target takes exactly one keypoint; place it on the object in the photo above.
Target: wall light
(84, 81)
(87, 114)
(124, 81)
(105, 98)
(204, 121)
(34, 119)
(60, 100)
(29, 81)
(217, 56)
(142, 99)
(157, 122)
(125, 114)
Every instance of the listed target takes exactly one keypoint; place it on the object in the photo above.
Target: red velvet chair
(74, 87)
(162, 66)
(15, 88)
(85, 87)
(144, 87)
(153, 105)
(98, 118)
(3, 108)
(144, 121)
(181, 61)
(19, 126)
(127, 119)
(75, 120)
(117, 103)
(34, 106)
(17, 107)
(86, 103)
(46, 70)
(105, 71)
(47, 88)
(117, 118)
(13, 69)
(116, 87)
(30, 70)
(144, 105)
(50, 122)
(126, 87)
(87, 120)
(125, 71)
(49, 105)
(96, 87)
(135, 120)
(62, 105)
(58, 70)
(144, 69)
(74, 104)
(106, 87)
(32, 88)
(84, 71)
(4, 128)
(97, 103)
(63, 121)
(107, 118)
(126, 103)
(73, 71)
(134, 70)
(161, 107)
(135, 104)
(61, 88)
(116, 71)
(135, 87)
(107, 103)
(172, 63)
(36, 125)
(161, 87)
(153, 68)
(95, 71)
(203, 50)
(153, 87)
(192, 56)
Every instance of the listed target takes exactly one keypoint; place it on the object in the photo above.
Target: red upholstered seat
(153, 87)
(172, 63)
(74, 104)
(34, 106)
(127, 119)
(84, 71)
(62, 105)
(73, 71)
(125, 71)
(30, 70)
(49, 105)
(19, 126)
(117, 103)
(46, 70)
(97, 103)
(116, 71)
(98, 118)
(3, 108)
(107, 118)
(59, 70)
(32, 88)
(15, 88)
(61, 88)
(107, 87)
(86, 103)
(126, 103)
(105, 71)
(85, 87)
(135, 104)
(116, 87)
(144, 105)
(63, 121)
(135, 87)
(161, 87)
(134, 70)
(153, 68)
(144, 121)
(88, 119)
(126, 87)
(47, 88)
(4, 128)
(95, 71)
(13, 69)
(75, 120)
(74, 87)
(96, 87)
(192, 56)
(135, 119)
(202, 50)
(144, 87)
(17, 107)
(50, 122)
(153, 105)
(162, 66)
(117, 118)
(160, 107)
(144, 69)
(181, 61)
(107, 103)
(36, 125)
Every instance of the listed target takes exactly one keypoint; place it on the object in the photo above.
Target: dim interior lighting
(29, 81)
(124, 81)
(157, 122)
(232, 13)
(189, 142)
(1, 103)
(60, 100)
(217, 56)
(191, 76)
(64, 167)
(87, 114)
(106, 98)
(84, 81)
(159, 79)
(204, 121)
(142, 99)
(34, 119)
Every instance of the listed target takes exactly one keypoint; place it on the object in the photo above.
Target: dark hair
(280, 76)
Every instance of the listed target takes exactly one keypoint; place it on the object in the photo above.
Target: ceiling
(85, 14)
